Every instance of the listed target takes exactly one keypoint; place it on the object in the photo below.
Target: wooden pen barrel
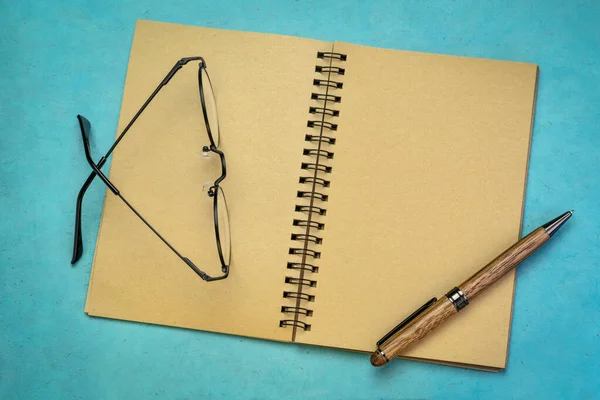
(444, 308)
(489, 274)
(419, 328)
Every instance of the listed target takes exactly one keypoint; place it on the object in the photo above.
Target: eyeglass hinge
(178, 66)
(186, 60)
(190, 264)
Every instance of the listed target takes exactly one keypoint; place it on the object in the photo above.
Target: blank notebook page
(427, 187)
(261, 83)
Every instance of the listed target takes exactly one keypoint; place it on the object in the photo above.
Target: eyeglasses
(220, 213)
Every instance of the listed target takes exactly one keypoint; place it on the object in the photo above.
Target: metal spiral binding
(328, 83)
(303, 267)
(299, 310)
(312, 195)
(325, 111)
(319, 139)
(337, 70)
(324, 124)
(305, 252)
(319, 152)
(312, 224)
(315, 209)
(295, 323)
(326, 54)
(310, 238)
(314, 182)
(316, 166)
(326, 97)
(305, 282)
(310, 179)
(298, 295)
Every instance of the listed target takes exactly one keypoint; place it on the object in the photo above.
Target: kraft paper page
(261, 83)
(427, 186)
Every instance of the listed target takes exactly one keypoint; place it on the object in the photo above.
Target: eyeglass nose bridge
(214, 149)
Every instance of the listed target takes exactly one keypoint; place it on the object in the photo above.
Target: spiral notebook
(360, 183)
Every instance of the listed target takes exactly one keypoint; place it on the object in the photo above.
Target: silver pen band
(382, 354)
(457, 298)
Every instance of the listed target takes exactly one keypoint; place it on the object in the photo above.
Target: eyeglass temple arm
(78, 241)
(116, 192)
(186, 260)
(78, 245)
(178, 65)
(203, 274)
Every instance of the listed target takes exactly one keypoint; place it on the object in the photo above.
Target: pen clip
(407, 321)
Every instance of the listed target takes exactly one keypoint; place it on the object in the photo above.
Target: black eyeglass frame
(85, 128)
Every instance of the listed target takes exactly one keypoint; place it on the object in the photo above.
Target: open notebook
(425, 185)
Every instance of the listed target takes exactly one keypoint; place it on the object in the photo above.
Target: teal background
(63, 58)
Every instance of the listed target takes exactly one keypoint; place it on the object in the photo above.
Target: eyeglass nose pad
(205, 152)
(207, 186)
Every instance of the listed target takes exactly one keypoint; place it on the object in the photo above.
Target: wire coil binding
(325, 111)
(318, 147)
(312, 224)
(299, 310)
(311, 209)
(317, 152)
(305, 252)
(298, 295)
(335, 70)
(326, 97)
(298, 281)
(322, 124)
(312, 195)
(327, 54)
(312, 179)
(308, 238)
(319, 139)
(316, 166)
(303, 267)
(328, 83)
(294, 322)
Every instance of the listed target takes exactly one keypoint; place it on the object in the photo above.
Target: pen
(435, 312)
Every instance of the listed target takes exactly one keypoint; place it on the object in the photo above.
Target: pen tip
(377, 360)
(553, 226)
(572, 211)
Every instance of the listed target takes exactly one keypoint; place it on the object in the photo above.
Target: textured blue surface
(69, 57)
